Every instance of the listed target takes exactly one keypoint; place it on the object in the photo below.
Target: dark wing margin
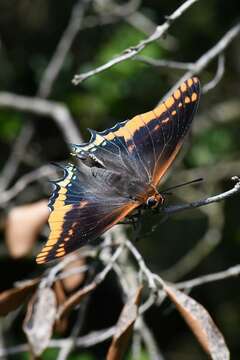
(79, 215)
(174, 118)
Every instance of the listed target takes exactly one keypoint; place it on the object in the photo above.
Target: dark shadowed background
(29, 34)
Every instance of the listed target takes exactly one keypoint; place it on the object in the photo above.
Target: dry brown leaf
(124, 327)
(23, 225)
(74, 281)
(59, 292)
(60, 324)
(75, 299)
(40, 318)
(11, 299)
(201, 324)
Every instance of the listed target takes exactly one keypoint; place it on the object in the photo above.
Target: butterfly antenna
(166, 191)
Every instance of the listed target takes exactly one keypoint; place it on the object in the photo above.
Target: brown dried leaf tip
(201, 324)
(75, 299)
(124, 327)
(11, 299)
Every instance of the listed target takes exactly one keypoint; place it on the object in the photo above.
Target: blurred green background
(29, 33)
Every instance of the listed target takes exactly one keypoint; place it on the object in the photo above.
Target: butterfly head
(154, 201)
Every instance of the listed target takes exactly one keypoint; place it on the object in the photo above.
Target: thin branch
(19, 149)
(51, 72)
(109, 12)
(144, 24)
(136, 346)
(204, 246)
(112, 8)
(165, 63)
(142, 265)
(24, 181)
(99, 278)
(209, 56)
(95, 337)
(149, 341)
(45, 86)
(38, 106)
(91, 339)
(205, 279)
(102, 275)
(134, 50)
(195, 204)
(76, 328)
(217, 78)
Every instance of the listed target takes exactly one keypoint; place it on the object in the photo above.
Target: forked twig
(134, 50)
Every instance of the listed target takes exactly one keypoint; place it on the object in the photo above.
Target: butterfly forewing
(173, 119)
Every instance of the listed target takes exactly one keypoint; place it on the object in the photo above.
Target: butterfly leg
(137, 225)
(134, 220)
(129, 221)
(136, 230)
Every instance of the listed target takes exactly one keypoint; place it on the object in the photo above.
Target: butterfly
(117, 172)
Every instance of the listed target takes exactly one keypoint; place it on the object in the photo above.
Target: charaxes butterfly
(117, 171)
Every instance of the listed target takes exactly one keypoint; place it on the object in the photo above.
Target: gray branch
(165, 63)
(195, 204)
(134, 50)
(209, 56)
(233, 271)
(218, 77)
(24, 181)
(47, 81)
(38, 106)
(88, 340)
(52, 70)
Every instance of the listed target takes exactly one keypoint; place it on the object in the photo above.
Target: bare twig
(142, 23)
(217, 78)
(95, 337)
(149, 341)
(165, 63)
(134, 50)
(24, 181)
(49, 77)
(203, 248)
(233, 271)
(85, 341)
(130, 14)
(10, 168)
(112, 8)
(72, 339)
(102, 275)
(178, 208)
(210, 55)
(142, 265)
(51, 72)
(57, 111)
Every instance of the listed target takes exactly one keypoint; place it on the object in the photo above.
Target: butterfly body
(117, 172)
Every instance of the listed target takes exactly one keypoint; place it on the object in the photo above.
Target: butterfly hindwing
(84, 206)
